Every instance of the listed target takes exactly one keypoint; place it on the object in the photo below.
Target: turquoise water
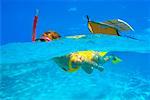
(29, 73)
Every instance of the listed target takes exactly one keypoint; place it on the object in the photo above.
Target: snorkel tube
(34, 25)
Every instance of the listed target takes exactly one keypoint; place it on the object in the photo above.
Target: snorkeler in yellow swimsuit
(87, 60)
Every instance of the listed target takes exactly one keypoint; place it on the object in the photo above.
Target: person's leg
(99, 61)
(87, 67)
(95, 65)
(114, 59)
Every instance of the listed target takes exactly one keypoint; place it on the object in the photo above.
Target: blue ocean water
(29, 73)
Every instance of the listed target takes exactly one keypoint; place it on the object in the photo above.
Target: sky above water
(68, 17)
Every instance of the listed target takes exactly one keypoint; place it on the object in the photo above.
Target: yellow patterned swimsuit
(83, 56)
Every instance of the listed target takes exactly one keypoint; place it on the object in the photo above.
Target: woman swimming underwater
(87, 60)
